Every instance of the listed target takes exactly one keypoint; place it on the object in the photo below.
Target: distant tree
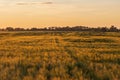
(45, 29)
(67, 28)
(33, 29)
(2, 29)
(27, 29)
(9, 29)
(113, 28)
(51, 28)
(19, 29)
(104, 29)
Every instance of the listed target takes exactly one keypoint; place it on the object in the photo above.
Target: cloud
(33, 3)
(21, 3)
(47, 3)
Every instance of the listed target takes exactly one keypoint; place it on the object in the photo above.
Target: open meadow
(51, 55)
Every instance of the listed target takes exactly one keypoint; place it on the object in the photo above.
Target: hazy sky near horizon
(43, 13)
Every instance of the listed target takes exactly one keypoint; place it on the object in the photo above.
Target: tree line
(67, 28)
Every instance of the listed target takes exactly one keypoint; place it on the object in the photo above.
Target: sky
(44, 13)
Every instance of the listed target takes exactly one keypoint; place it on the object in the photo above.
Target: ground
(59, 55)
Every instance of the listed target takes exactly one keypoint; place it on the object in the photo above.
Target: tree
(104, 29)
(113, 28)
(9, 29)
(19, 29)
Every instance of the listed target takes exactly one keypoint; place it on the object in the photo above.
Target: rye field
(51, 55)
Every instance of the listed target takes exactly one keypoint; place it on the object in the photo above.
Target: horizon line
(58, 26)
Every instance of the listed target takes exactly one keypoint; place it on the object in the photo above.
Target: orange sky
(44, 13)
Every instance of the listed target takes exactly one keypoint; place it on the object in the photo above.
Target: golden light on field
(42, 13)
(59, 55)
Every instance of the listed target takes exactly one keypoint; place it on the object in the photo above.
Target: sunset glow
(44, 13)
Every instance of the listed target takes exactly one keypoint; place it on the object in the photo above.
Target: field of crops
(59, 56)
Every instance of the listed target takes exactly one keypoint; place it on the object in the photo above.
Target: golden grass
(59, 56)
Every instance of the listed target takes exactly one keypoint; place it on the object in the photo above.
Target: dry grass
(59, 56)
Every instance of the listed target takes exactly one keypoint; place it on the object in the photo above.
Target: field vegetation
(53, 55)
